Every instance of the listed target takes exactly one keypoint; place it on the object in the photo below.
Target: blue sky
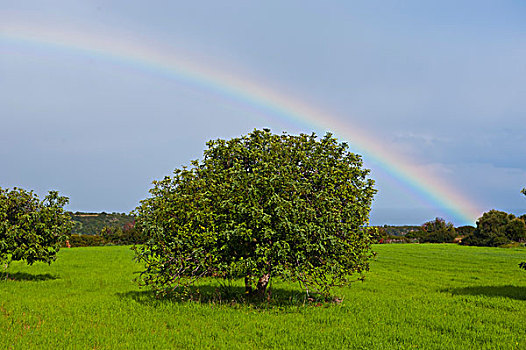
(442, 83)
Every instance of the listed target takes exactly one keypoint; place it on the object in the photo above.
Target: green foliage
(123, 236)
(496, 228)
(438, 231)
(109, 236)
(75, 241)
(402, 230)
(260, 206)
(94, 223)
(31, 230)
(464, 231)
(382, 235)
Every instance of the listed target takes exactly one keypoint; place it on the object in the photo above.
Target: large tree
(260, 206)
(496, 228)
(31, 230)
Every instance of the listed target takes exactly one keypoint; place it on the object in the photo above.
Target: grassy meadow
(425, 296)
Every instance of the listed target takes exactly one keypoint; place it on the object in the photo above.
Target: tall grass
(415, 296)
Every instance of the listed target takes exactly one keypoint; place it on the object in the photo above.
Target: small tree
(260, 206)
(438, 231)
(31, 230)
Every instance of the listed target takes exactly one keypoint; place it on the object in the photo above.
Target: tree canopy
(464, 231)
(496, 228)
(260, 206)
(436, 231)
(31, 230)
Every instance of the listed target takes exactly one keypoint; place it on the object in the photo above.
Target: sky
(100, 98)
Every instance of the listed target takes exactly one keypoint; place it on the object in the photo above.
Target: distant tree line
(126, 235)
(495, 228)
(94, 223)
(99, 229)
(402, 230)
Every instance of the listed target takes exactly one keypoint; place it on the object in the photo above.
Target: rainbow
(161, 60)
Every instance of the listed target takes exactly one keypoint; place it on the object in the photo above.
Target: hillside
(93, 223)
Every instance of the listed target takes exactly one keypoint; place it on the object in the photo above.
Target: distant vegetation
(94, 223)
(99, 229)
(497, 228)
(398, 230)
(436, 231)
(494, 228)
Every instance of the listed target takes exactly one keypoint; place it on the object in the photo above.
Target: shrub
(438, 231)
(76, 240)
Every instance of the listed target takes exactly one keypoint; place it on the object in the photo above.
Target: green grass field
(414, 297)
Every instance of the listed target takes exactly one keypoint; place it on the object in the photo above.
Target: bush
(76, 240)
(109, 236)
(436, 231)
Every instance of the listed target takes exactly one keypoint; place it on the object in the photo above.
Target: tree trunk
(261, 288)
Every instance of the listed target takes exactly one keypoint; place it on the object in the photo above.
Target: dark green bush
(109, 236)
(496, 228)
(86, 241)
(436, 231)
(126, 236)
